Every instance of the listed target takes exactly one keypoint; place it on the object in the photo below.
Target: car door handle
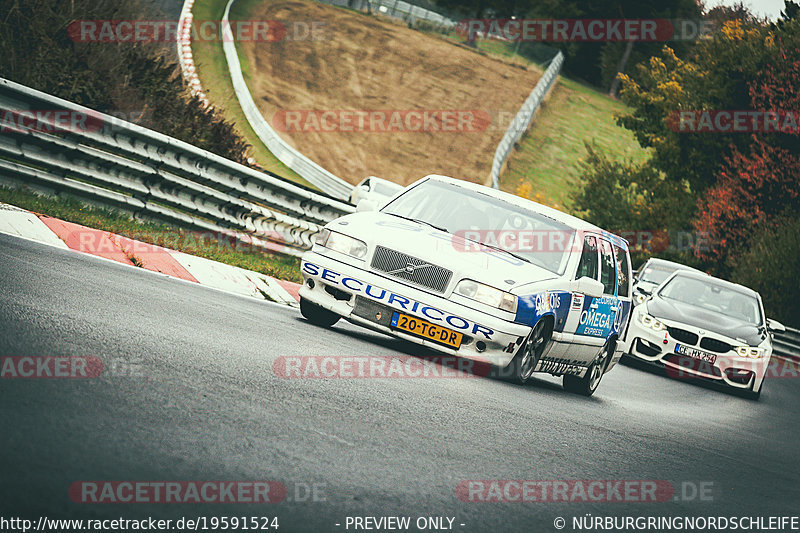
(593, 305)
(615, 308)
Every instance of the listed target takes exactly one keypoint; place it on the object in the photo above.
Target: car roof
(559, 216)
(696, 274)
(664, 262)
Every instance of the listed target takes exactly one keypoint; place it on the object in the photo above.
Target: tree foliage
(140, 81)
(759, 183)
(621, 196)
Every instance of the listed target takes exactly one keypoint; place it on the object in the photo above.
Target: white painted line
(16, 221)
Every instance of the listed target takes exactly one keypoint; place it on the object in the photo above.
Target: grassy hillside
(367, 63)
(546, 164)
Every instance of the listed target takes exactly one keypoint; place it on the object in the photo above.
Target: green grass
(71, 210)
(546, 164)
(213, 72)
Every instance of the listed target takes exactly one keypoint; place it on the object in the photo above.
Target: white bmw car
(478, 273)
(699, 326)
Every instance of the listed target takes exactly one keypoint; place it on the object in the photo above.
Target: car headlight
(486, 294)
(339, 242)
(653, 323)
(749, 351)
(639, 297)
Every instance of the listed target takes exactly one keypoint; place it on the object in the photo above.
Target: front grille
(686, 337)
(421, 273)
(714, 345)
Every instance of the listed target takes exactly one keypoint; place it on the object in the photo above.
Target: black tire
(317, 315)
(586, 385)
(528, 356)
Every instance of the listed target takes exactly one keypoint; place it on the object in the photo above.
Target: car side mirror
(589, 287)
(775, 326)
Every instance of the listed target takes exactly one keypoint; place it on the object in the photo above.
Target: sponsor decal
(532, 307)
(577, 301)
(397, 301)
(597, 318)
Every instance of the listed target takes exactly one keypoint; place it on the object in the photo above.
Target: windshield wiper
(434, 226)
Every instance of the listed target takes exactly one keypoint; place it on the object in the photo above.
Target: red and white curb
(62, 234)
(185, 58)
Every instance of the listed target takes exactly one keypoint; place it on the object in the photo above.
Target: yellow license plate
(425, 329)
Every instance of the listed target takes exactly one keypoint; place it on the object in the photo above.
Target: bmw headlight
(339, 242)
(486, 294)
(749, 351)
(652, 323)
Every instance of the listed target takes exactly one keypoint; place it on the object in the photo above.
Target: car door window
(588, 264)
(622, 269)
(608, 268)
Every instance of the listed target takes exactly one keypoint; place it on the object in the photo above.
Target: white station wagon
(477, 273)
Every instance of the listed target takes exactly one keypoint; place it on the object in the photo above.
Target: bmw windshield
(482, 219)
(713, 296)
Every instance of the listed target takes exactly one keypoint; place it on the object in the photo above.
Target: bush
(769, 264)
(625, 196)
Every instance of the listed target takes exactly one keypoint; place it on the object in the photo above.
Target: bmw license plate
(423, 328)
(695, 353)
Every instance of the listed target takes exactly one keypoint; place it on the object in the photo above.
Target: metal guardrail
(524, 117)
(396, 9)
(305, 167)
(120, 164)
(787, 344)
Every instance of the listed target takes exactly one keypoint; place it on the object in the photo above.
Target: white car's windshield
(494, 222)
(656, 273)
(712, 296)
(385, 188)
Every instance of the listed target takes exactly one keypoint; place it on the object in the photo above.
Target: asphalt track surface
(194, 397)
